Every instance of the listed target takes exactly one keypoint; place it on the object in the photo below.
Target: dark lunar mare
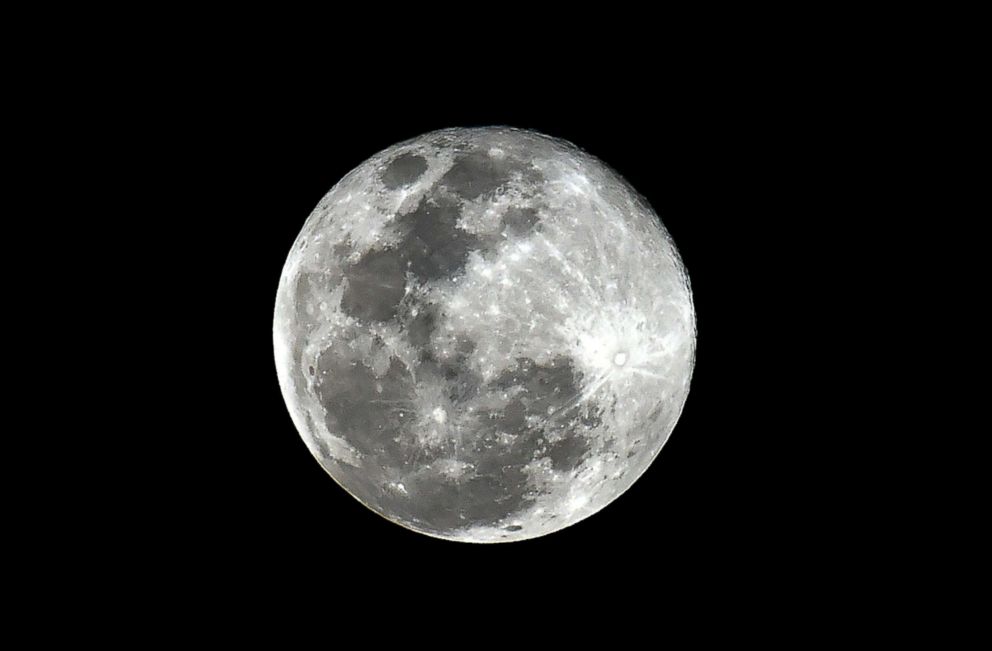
(476, 173)
(403, 170)
(376, 285)
(547, 394)
(362, 408)
(432, 247)
(497, 486)
(519, 221)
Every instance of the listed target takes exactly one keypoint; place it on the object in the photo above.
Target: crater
(403, 170)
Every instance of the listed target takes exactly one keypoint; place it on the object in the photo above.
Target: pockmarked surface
(484, 334)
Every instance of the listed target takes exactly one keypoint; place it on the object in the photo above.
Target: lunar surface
(484, 335)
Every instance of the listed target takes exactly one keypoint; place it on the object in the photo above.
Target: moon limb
(448, 325)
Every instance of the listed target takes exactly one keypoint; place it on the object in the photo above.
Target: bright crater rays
(484, 335)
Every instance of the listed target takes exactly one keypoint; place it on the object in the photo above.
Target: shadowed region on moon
(448, 328)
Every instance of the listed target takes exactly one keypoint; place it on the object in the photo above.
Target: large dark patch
(544, 385)
(362, 409)
(519, 221)
(486, 498)
(434, 247)
(496, 490)
(568, 453)
(376, 285)
(545, 402)
(475, 174)
(460, 382)
(497, 487)
(404, 169)
(420, 328)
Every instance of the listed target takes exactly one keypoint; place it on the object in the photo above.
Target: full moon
(484, 335)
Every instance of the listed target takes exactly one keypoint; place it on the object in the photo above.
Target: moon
(484, 334)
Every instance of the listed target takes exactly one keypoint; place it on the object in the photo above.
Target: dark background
(180, 156)
(728, 496)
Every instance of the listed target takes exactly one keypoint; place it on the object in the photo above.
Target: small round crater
(312, 371)
(620, 358)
